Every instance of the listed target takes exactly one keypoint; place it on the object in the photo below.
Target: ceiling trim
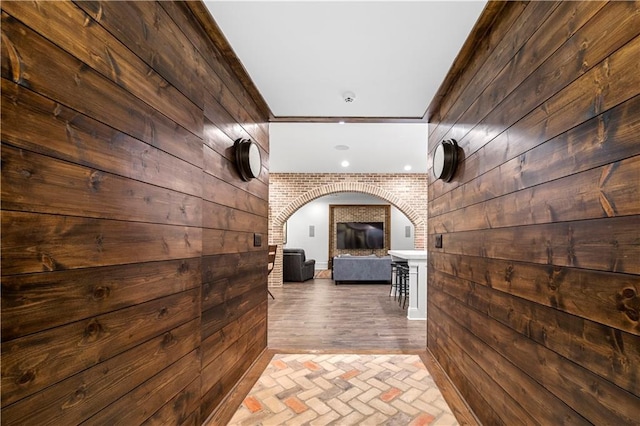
(297, 119)
(204, 18)
(491, 12)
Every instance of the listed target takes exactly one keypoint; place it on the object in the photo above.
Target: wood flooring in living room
(318, 315)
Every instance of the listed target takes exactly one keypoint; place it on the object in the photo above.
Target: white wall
(316, 214)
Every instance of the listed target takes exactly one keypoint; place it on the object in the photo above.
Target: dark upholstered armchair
(295, 266)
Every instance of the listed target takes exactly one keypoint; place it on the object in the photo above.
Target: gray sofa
(362, 269)
(295, 266)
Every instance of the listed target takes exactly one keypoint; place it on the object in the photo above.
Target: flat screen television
(360, 235)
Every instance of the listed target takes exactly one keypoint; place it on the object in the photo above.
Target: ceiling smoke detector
(349, 97)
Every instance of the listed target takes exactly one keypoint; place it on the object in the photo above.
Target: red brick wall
(290, 191)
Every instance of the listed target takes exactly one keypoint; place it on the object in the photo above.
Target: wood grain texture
(533, 298)
(33, 302)
(114, 166)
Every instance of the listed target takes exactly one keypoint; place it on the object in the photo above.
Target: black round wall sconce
(445, 160)
(248, 159)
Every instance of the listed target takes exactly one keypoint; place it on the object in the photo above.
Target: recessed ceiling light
(341, 147)
(407, 167)
(345, 163)
(341, 122)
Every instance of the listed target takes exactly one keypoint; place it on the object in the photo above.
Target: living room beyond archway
(289, 192)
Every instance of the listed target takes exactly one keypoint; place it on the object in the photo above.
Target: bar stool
(402, 275)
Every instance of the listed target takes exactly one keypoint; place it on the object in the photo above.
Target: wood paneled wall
(534, 299)
(131, 289)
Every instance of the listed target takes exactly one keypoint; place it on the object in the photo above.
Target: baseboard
(229, 405)
(461, 410)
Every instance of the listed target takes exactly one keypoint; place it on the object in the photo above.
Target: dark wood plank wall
(131, 289)
(534, 299)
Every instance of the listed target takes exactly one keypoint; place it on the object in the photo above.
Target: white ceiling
(304, 55)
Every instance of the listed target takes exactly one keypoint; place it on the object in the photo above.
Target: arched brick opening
(279, 218)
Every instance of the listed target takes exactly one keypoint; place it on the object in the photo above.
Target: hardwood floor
(319, 316)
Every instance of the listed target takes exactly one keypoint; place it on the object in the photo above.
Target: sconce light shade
(248, 159)
(445, 160)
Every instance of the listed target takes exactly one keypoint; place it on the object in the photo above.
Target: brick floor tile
(333, 374)
(286, 382)
(404, 407)
(279, 418)
(378, 384)
(325, 419)
(303, 418)
(318, 406)
(361, 407)
(281, 373)
(342, 408)
(398, 419)
(411, 394)
(311, 365)
(390, 394)
(307, 389)
(350, 394)
(419, 375)
(304, 382)
(268, 392)
(355, 418)
(296, 405)
(422, 420)
(430, 395)
(330, 393)
(416, 384)
(322, 382)
(299, 373)
(274, 404)
(360, 384)
(445, 419)
(349, 374)
(288, 392)
(311, 393)
(279, 364)
(383, 407)
(391, 367)
(392, 381)
(368, 395)
(374, 419)
(426, 407)
(252, 404)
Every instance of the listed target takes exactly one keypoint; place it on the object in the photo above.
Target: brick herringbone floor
(344, 390)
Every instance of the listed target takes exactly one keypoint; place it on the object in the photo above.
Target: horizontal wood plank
(35, 302)
(72, 83)
(152, 395)
(114, 60)
(596, 193)
(181, 409)
(609, 244)
(29, 119)
(603, 297)
(507, 378)
(38, 242)
(218, 342)
(226, 194)
(78, 397)
(607, 352)
(40, 184)
(36, 361)
(146, 29)
(499, 50)
(598, 400)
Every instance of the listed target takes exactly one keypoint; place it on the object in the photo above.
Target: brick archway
(282, 210)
